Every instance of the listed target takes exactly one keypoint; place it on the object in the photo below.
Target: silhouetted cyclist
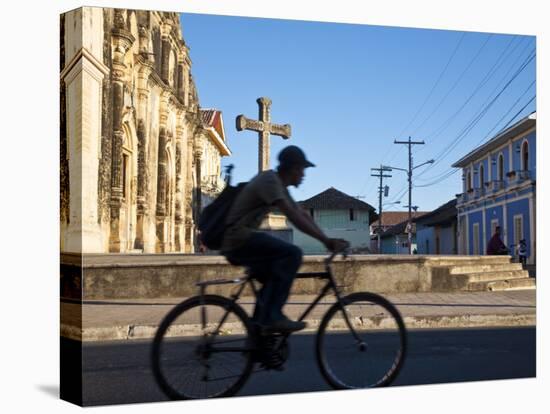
(272, 261)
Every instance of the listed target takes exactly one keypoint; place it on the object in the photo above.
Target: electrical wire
(473, 122)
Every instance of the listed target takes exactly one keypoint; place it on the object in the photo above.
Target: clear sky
(349, 90)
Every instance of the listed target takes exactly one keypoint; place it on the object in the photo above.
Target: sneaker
(284, 325)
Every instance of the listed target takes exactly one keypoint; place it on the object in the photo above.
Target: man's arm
(305, 223)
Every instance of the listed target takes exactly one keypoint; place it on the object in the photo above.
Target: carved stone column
(122, 41)
(166, 48)
(181, 77)
(189, 248)
(142, 182)
(189, 186)
(197, 155)
(161, 178)
(179, 188)
(141, 185)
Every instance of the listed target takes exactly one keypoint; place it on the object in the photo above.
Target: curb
(130, 332)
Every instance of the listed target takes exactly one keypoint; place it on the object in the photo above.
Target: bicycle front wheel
(363, 348)
(202, 349)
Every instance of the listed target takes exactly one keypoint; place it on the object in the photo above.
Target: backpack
(212, 221)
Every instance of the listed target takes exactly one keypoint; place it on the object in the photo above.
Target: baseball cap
(293, 155)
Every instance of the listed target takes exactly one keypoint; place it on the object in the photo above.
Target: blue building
(499, 189)
(436, 232)
(395, 240)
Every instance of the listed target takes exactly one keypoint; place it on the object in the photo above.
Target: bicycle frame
(247, 280)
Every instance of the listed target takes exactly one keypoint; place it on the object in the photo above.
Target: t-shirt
(251, 206)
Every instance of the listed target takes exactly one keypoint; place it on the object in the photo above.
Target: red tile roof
(213, 118)
(391, 218)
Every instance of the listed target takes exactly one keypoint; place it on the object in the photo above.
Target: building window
(469, 181)
(311, 212)
(476, 239)
(481, 176)
(494, 225)
(351, 216)
(518, 229)
(525, 156)
(500, 168)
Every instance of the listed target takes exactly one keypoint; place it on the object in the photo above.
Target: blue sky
(349, 90)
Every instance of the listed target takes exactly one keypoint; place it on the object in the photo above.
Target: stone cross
(264, 127)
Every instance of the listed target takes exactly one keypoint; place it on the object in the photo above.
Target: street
(119, 372)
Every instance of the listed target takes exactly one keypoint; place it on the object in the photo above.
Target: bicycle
(196, 357)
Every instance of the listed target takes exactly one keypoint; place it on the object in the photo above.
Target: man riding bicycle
(272, 261)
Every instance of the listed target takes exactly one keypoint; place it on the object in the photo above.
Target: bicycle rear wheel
(371, 358)
(202, 349)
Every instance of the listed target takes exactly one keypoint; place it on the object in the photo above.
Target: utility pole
(381, 176)
(409, 172)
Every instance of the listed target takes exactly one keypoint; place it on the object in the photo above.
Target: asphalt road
(119, 372)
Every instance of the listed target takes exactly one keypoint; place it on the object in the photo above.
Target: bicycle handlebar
(344, 252)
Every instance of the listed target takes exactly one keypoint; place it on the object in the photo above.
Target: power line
(459, 79)
(448, 174)
(482, 83)
(436, 177)
(437, 82)
(423, 104)
(517, 113)
(447, 150)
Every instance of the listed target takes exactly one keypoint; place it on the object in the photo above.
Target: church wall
(134, 69)
(81, 78)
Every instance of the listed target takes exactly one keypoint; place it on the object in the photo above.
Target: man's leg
(267, 254)
(284, 271)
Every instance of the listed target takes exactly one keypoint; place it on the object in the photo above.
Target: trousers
(274, 263)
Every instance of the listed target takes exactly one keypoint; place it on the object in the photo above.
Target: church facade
(135, 145)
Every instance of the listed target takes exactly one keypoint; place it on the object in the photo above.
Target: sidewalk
(138, 319)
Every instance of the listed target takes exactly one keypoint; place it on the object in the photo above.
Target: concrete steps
(481, 268)
(482, 274)
(492, 276)
(498, 285)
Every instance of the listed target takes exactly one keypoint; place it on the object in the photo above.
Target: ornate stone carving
(143, 40)
(165, 67)
(116, 174)
(142, 164)
(161, 177)
(119, 19)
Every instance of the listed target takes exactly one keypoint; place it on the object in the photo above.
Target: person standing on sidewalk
(522, 252)
(272, 261)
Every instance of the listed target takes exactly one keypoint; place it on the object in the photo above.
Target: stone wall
(175, 275)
